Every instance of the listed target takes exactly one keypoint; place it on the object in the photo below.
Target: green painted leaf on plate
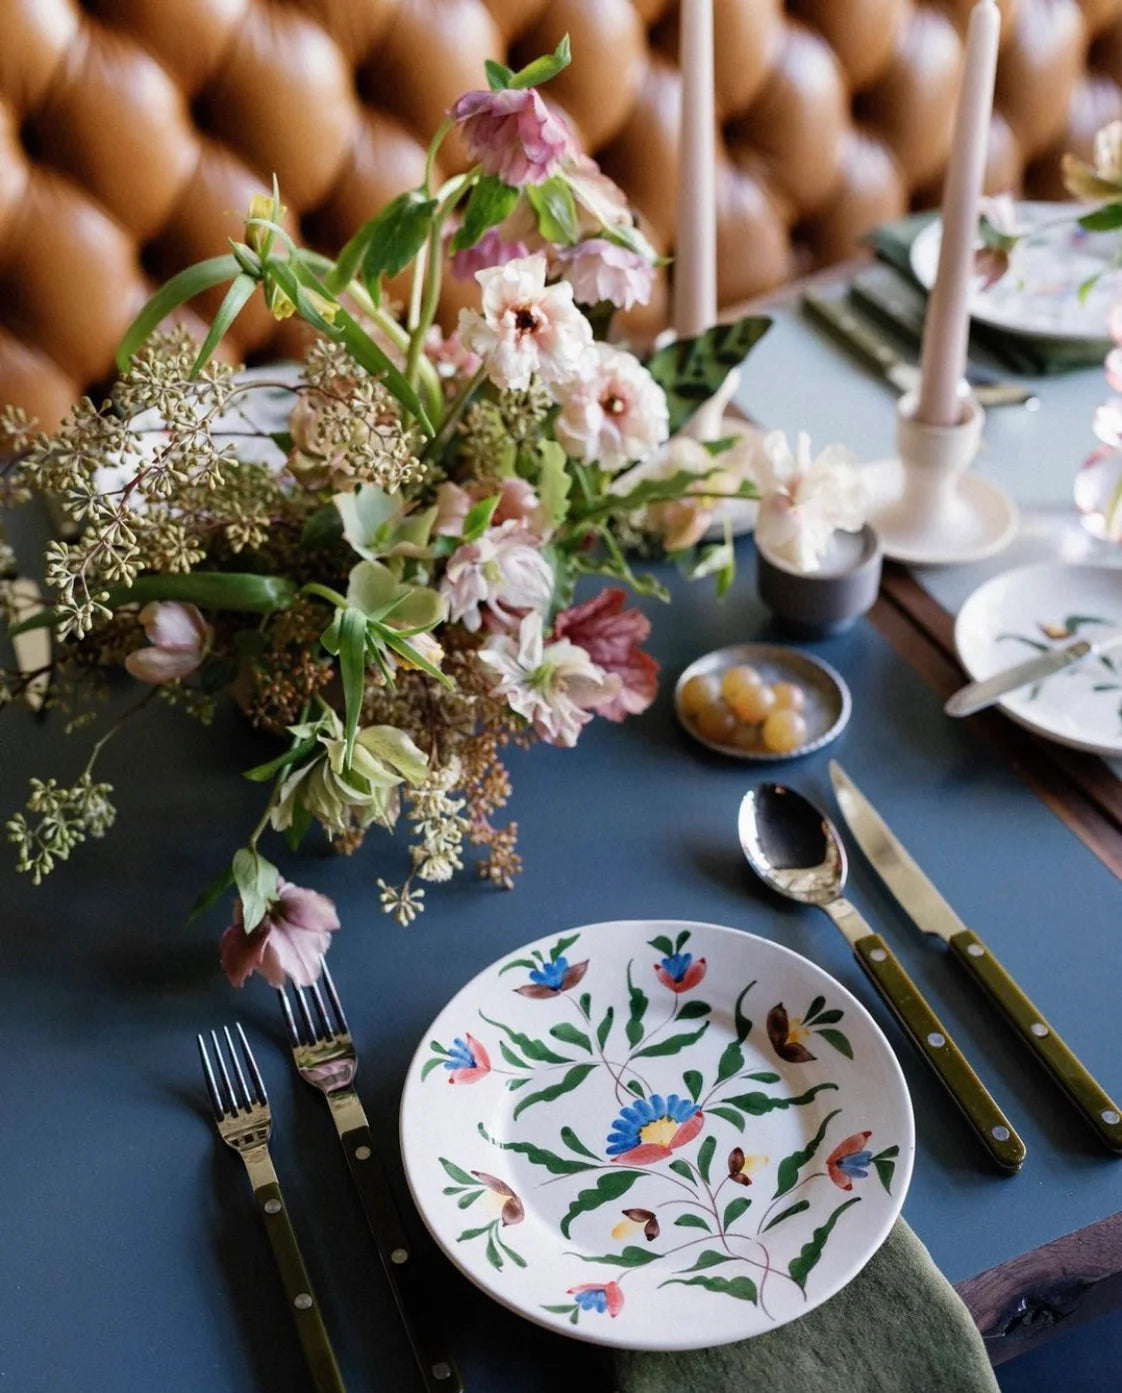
(457, 1173)
(743, 1024)
(631, 1256)
(729, 1115)
(733, 1210)
(531, 1048)
(569, 1035)
(693, 1221)
(801, 1267)
(839, 1041)
(673, 1045)
(743, 1288)
(788, 1213)
(705, 1157)
(537, 1155)
(574, 1143)
(756, 1104)
(787, 1175)
(604, 1029)
(684, 1169)
(709, 1258)
(573, 1078)
(732, 1061)
(693, 1081)
(610, 1186)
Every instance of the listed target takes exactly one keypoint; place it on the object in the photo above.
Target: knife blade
(931, 913)
(870, 343)
(976, 696)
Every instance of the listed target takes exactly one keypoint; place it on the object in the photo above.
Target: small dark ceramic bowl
(816, 603)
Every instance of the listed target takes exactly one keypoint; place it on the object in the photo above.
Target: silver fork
(325, 1056)
(244, 1123)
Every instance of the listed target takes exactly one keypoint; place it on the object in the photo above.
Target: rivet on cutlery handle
(1098, 1109)
(302, 1299)
(414, 1304)
(935, 1044)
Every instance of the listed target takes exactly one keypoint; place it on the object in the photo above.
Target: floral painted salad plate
(657, 1134)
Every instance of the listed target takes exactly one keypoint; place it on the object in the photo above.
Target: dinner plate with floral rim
(657, 1134)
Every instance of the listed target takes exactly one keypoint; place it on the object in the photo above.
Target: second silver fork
(325, 1056)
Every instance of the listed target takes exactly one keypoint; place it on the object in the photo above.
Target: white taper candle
(695, 256)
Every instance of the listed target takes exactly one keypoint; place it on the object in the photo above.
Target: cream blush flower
(288, 942)
(599, 269)
(179, 639)
(555, 686)
(614, 413)
(526, 327)
(803, 501)
(503, 573)
(512, 134)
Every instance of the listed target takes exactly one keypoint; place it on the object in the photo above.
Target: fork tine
(211, 1081)
(321, 1011)
(306, 1015)
(289, 1018)
(230, 1102)
(251, 1064)
(236, 1062)
(333, 996)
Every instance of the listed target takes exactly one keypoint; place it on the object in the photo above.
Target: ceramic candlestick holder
(927, 506)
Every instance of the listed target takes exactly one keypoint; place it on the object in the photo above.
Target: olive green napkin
(1032, 354)
(897, 1327)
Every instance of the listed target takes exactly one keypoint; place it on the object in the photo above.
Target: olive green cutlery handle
(302, 1300)
(935, 1044)
(1098, 1109)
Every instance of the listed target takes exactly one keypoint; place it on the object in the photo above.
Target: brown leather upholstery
(133, 132)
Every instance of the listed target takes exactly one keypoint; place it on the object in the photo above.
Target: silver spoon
(795, 849)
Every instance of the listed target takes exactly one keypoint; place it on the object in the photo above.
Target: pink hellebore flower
(490, 250)
(180, 639)
(512, 134)
(289, 942)
(555, 686)
(517, 503)
(613, 413)
(611, 636)
(526, 327)
(598, 269)
(504, 571)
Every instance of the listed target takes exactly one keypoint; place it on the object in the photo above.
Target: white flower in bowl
(804, 500)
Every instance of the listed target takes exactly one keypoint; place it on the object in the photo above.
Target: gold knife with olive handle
(931, 913)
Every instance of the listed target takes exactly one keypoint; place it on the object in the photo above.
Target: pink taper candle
(695, 256)
(945, 333)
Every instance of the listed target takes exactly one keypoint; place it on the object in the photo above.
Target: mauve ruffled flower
(613, 413)
(611, 635)
(517, 503)
(489, 251)
(503, 572)
(289, 942)
(512, 134)
(179, 639)
(599, 269)
(526, 327)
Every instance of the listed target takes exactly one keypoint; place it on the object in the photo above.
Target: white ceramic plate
(575, 1120)
(1035, 608)
(828, 702)
(1040, 294)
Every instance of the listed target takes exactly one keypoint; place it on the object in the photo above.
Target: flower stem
(455, 411)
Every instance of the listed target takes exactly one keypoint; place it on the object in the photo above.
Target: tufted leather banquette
(133, 132)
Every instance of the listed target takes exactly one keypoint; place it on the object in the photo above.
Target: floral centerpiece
(385, 576)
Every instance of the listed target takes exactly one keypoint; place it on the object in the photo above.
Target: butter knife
(976, 696)
(857, 333)
(933, 915)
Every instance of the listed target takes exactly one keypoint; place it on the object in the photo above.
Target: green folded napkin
(897, 1327)
(1032, 354)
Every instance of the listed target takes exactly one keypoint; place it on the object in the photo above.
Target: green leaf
(262, 773)
(693, 1081)
(479, 518)
(456, 1173)
(743, 1288)
(693, 1221)
(323, 528)
(528, 963)
(352, 667)
(214, 891)
(763, 1076)
(542, 69)
(729, 1115)
(672, 1045)
(1104, 219)
(538, 1155)
(175, 292)
(256, 879)
(476, 1233)
(559, 948)
(428, 1066)
(684, 1169)
(743, 1024)
(638, 1002)
(733, 1210)
(234, 301)
(885, 1165)
(556, 210)
(839, 1041)
(531, 1048)
(570, 1035)
(690, 371)
(757, 1104)
(396, 235)
(813, 1009)
(498, 78)
(636, 1087)
(488, 204)
(466, 1201)
(574, 1143)
(788, 1213)
(610, 1186)
(586, 1005)
(787, 1175)
(830, 1017)
(732, 1061)
(681, 940)
(709, 1257)
(554, 482)
(705, 1157)
(801, 1267)
(663, 946)
(516, 1258)
(692, 1010)
(510, 1057)
(604, 1029)
(574, 1077)
(631, 1256)
(493, 1255)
